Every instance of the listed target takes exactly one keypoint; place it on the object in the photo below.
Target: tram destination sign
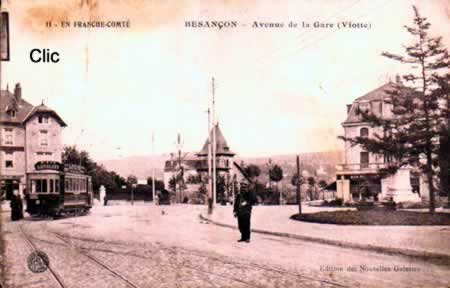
(48, 165)
(73, 168)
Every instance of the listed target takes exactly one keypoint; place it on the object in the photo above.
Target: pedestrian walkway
(418, 241)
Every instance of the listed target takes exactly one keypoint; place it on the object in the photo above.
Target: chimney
(18, 93)
(349, 106)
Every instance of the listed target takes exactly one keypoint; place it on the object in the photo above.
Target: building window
(364, 132)
(9, 136)
(9, 160)
(364, 107)
(364, 159)
(44, 156)
(9, 164)
(387, 158)
(43, 138)
(377, 107)
(42, 119)
(12, 113)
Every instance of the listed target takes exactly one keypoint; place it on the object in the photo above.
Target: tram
(55, 188)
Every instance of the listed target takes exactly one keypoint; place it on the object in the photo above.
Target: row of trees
(112, 181)
(100, 175)
(418, 134)
(314, 187)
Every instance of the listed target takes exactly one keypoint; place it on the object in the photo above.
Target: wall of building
(33, 142)
(17, 150)
(353, 153)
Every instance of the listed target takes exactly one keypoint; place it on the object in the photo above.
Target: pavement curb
(423, 255)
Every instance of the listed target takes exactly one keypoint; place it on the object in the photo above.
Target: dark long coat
(16, 208)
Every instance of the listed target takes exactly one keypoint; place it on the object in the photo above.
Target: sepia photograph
(224, 143)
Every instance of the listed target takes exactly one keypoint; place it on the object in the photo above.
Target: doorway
(8, 187)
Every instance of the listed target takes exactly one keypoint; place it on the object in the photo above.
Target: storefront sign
(48, 165)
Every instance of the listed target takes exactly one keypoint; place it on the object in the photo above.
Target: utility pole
(214, 144)
(210, 198)
(132, 193)
(299, 194)
(153, 170)
(180, 168)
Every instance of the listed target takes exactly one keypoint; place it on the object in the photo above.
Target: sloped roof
(378, 94)
(44, 110)
(222, 147)
(8, 101)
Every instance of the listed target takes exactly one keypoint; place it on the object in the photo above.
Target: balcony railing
(360, 166)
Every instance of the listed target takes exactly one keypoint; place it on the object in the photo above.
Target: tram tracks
(174, 266)
(33, 246)
(220, 261)
(56, 275)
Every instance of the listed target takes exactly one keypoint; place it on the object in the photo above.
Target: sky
(278, 90)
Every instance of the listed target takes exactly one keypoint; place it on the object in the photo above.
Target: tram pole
(153, 170)
(132, 194)
(299, 194)
(214, 147)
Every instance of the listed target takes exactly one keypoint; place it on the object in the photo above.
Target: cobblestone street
(142, 246)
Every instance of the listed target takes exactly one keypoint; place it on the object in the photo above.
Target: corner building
(28, 134)
(359, 176)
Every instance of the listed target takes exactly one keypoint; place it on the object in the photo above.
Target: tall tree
(253, 171)
(296, 178)
(411, 136)
(159, 185)
(276, 174)
(72, 155)
(443, 94)
(312, 187)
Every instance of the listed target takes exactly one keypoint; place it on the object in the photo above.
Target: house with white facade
(359, 177)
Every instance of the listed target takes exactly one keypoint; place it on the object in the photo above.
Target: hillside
(321, 163)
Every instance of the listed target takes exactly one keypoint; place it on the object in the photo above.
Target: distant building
(194, 167)
(359, 176)
(187, 162)
(223, 154)
(28, 134)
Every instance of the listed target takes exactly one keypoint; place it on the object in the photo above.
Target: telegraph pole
(210, 198)
(299, 194)
(180, 186)
(132, 193)
(153, 170)
(214, 144)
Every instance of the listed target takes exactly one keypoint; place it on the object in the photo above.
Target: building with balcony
(28, 134)
(359, 176)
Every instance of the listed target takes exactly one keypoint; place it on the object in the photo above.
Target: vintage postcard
(224, 143)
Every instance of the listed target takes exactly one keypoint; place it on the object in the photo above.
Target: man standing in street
(243, 203)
